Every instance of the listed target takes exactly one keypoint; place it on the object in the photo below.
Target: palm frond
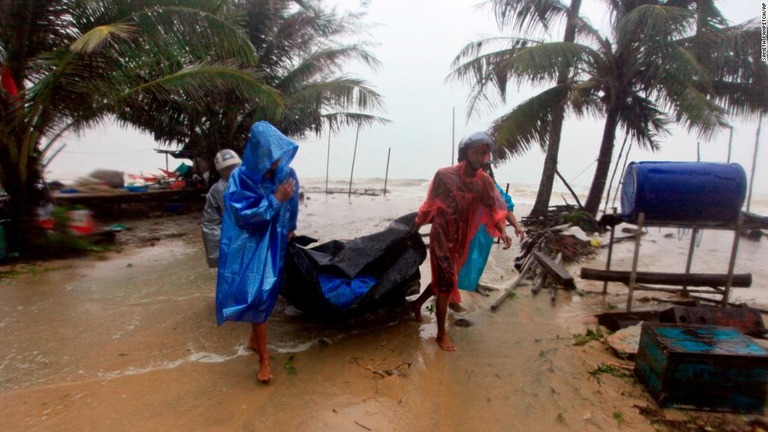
(93, 40)
(196, 83)
(528, 16)
(322, 63)
(654, 22)
(339, 120)
(643, 121)
(527, 124)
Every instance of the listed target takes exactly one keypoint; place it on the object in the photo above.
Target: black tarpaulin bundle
(343, 279)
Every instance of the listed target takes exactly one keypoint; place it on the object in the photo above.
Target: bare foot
(417, 312)
(445, 343)
(265, 373)
(457, 307)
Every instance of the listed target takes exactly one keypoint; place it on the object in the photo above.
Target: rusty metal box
(702, 367)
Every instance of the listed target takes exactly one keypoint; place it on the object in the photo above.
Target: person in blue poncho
(480, 246)
(261, 207)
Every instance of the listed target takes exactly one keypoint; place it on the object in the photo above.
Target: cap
(225, 158)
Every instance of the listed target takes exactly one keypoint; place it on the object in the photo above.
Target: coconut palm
(69, 64)
(302, 49)
(642, 77)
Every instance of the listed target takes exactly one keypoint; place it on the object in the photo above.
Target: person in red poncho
(461, 198)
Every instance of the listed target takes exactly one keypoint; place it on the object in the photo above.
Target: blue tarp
(344, 292)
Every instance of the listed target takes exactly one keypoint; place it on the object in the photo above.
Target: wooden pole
(576, 197)
(694, 234)
(754, 160)
(327, 160)
(712, 280)
(633, 275)
(732, 262)
(453, 135)
(354, 156)
(610, 254)
(386, 174)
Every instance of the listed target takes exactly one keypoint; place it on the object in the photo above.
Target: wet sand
(128, 341)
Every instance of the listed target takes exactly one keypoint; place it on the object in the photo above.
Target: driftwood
(741, 280)
(554, 270)
(523, 271)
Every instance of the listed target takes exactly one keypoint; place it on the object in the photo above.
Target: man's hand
(520, 233)
(284, 192)
(506, 239)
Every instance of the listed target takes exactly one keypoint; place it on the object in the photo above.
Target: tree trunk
(555, 130)
(603, 163)
(550, 164)
(23, 232)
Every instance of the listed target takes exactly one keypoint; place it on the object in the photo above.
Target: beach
(127, 340)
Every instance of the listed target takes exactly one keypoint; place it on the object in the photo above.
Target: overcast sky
(416, 41)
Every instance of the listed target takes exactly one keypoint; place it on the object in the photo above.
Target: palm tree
(302, 57)
(76, 62)
(641, 78)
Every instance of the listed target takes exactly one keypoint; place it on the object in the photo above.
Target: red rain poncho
(457, 206)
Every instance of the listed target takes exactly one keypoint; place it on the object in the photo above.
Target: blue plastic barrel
(685, 193)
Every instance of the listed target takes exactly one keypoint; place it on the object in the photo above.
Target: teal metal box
(702, 367)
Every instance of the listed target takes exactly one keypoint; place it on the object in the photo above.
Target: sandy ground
(127, 341)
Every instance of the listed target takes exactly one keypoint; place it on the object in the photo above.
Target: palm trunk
(550, 165)
(603, 163)
(553, 146)
(19, 219)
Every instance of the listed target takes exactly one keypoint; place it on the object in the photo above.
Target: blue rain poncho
(255, 227)
(478, 252)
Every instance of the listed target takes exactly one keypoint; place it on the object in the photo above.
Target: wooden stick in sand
(526, 266)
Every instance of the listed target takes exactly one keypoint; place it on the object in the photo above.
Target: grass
(589, 336)
(288, 365)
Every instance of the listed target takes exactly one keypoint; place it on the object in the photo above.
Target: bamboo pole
(386, 173)
(633, 275)
(610, 254)
(453, 134)
(689, 262)
(730, 145)
(327, 160)
(732, 262)
(354, 156)
(754, 160)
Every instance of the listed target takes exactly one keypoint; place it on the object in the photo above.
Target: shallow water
(131, 343)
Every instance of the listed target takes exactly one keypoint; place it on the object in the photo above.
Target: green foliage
(660, 63)
(589, 336)
(288, 365)
(619, 417)
(579, 218)
(603, 368)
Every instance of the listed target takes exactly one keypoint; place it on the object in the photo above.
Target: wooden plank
(555, 270)
(741, 280)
